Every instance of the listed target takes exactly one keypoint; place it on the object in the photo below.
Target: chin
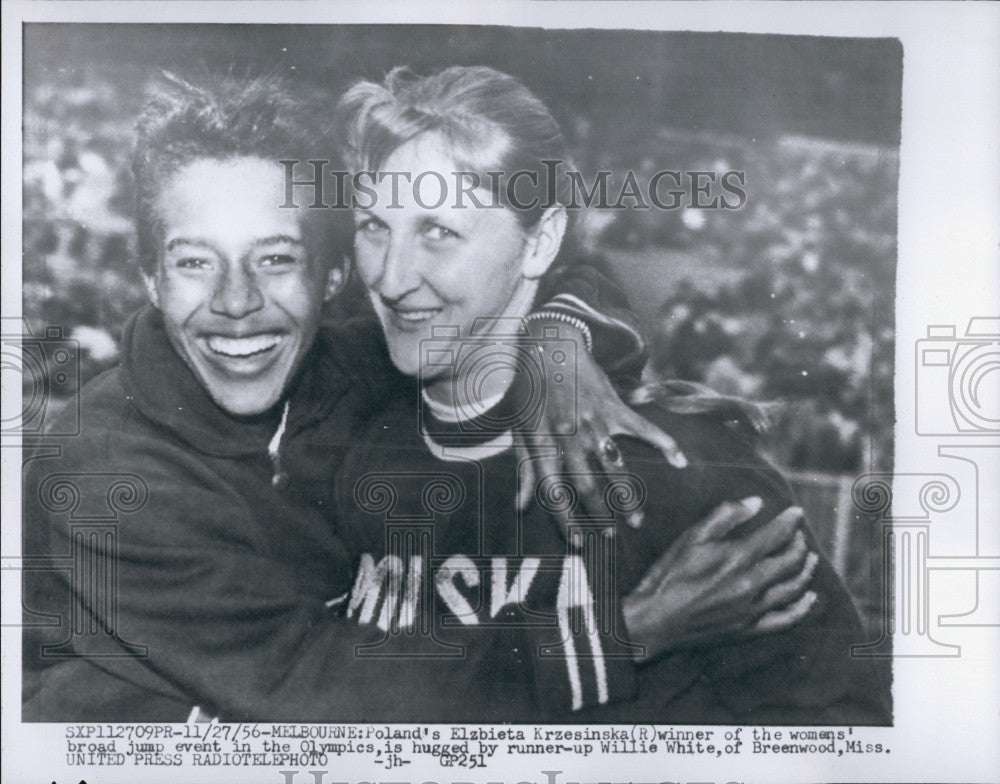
(244, 404)
(407, 362)
(405, 353)
(251, 398)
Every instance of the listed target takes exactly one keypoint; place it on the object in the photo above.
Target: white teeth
(243, 347)
(415, 315)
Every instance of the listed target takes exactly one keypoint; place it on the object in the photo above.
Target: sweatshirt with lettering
(428, 496)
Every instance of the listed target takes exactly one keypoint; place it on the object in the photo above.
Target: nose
(400, 274)
(237, 294)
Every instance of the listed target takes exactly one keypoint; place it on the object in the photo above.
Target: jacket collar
(165, 391)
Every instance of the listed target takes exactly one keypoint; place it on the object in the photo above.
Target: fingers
(678, 553)
(575, 457)
(549, 466)
(791, 590)
(581, 474)
(609, 457)
(632, 424)
(543, 461)
(787, 562)
(774, 534)
(526, 477)
(662, 565)
(768, 572)
(777, 620)
(725, 517)
(652, 576)
(612, 462)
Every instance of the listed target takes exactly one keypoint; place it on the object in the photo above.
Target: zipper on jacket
(279, 479)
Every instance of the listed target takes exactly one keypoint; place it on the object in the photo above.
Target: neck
(466, 394)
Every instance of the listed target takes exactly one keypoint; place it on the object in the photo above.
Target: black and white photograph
(486, 398)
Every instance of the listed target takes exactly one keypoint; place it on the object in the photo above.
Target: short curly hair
(225, 117)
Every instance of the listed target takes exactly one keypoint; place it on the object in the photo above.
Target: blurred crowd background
(788, 299)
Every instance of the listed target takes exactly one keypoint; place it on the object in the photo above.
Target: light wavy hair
(491, 121)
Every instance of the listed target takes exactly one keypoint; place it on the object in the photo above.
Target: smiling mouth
(413, 315)
(244, 347)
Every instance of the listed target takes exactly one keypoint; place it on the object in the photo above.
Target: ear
(544, 243)
(336, 277)
(149, 281)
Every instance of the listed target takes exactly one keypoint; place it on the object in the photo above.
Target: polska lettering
(389, 593)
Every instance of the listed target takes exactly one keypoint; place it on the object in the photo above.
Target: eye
(436, 233)
(193, 263)
(370, 226)
(278, 260)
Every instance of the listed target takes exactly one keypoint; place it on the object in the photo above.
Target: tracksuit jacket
(441, 549)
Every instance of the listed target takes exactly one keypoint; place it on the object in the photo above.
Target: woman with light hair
(699, 613)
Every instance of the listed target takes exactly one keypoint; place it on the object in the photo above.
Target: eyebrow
(435, 220)
(275, 239)
(182, 241)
